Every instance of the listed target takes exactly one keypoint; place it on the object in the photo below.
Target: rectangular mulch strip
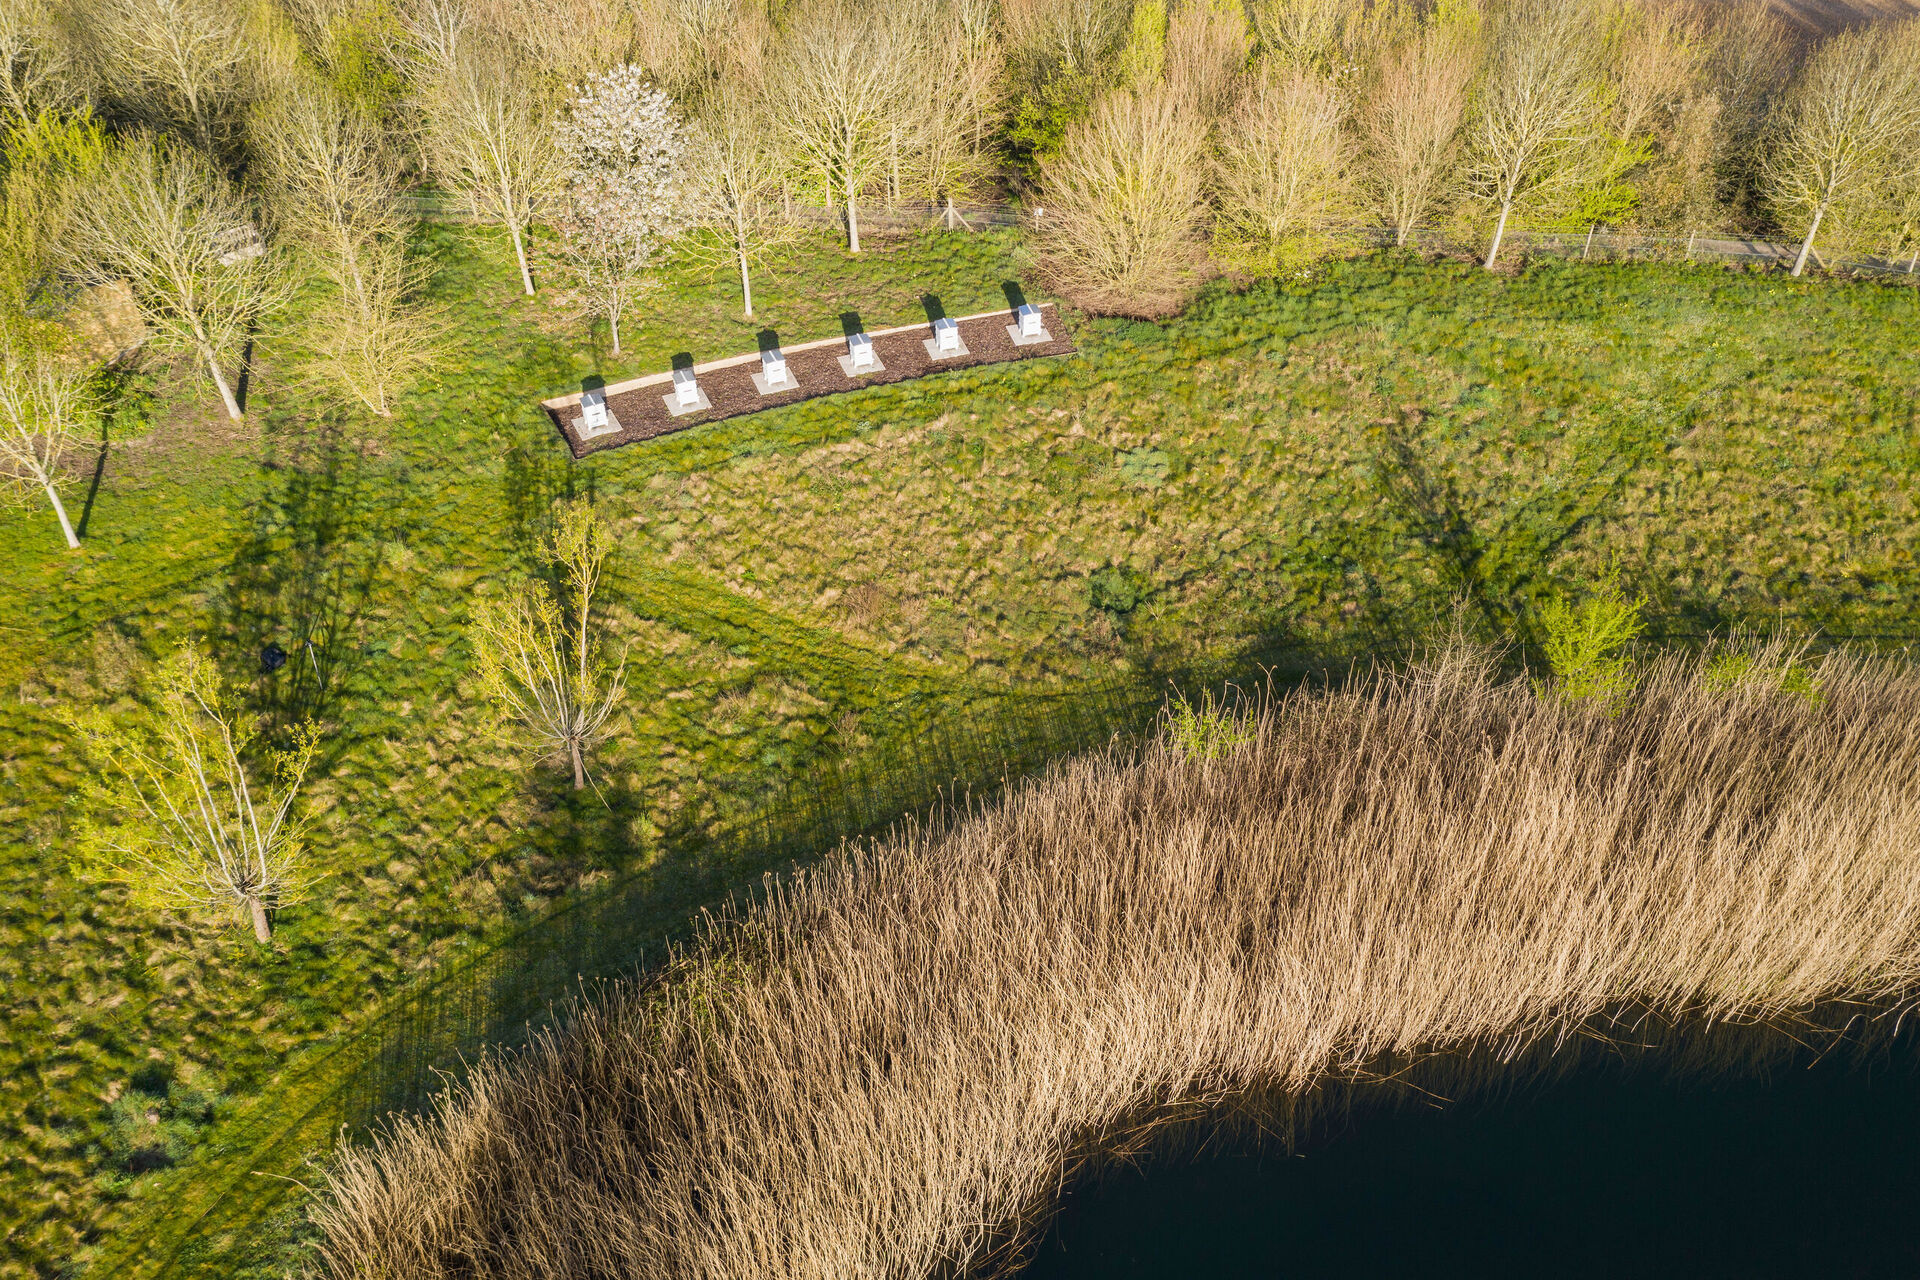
(642, 411)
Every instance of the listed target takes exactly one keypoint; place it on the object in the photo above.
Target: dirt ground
(643, 414)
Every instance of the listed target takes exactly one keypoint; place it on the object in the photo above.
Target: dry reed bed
(886, 1067)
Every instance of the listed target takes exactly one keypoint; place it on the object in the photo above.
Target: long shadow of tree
(302, 577)
(1493, 548)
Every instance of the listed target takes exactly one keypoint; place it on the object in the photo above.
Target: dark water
(1811, 1173)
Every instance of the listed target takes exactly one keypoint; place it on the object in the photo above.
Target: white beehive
(946, 334)
(774, 365)
(685, 389)
(1029, 320)
(860, 348)
(593, 409)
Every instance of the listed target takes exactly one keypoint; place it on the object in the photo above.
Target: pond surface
(1815, 1172)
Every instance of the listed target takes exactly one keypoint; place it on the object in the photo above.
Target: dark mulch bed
(642, 412)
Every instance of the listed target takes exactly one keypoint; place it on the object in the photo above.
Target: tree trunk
(226, 392)
(520, 253)
(613, 323)
(1806, 246)
(746, 283)
(579, 767)
(262, 932)
(59, 509)
(1500, 231)
(853, 221)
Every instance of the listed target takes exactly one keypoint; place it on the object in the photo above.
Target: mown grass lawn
(1320, 469)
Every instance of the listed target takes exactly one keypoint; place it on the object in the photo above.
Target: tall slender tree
(736, 169)
(1283, 171)
(180, 811)
(163, 220)
(1124, 202)
(334, 181)
(1852, 115)
(541, 650)
(1411, 122)
(487, 136)
(186, 66)
(45, 406)
(627, 193)
(842, 90)
(37, 63)
(1539, 107)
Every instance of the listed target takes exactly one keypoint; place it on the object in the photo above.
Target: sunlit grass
(1318, 470)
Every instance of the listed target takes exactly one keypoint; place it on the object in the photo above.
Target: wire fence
(494, 996)
(1596, 244)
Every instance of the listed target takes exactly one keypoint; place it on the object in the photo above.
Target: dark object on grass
(273, 657)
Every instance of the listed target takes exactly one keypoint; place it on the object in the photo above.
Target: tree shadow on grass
(303, 575)
(1496, 560)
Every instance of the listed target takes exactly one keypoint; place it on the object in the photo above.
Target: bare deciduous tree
(372, 335)
(330, 174)
(1072, 36)
(1123, 203)
(1746, 67)
(187, 65)
(1282, 171)
(45, 404)
(1207, 46)
(1538, 108)
(163, 220)
(333, 178)
(1143, 58)
(36, 62)
(942, 140)
(1304, 32)
(563, 39)
(1845, 122)
(736, 171)
(1412, 121)
(50, 161)
(488, 136)
(626, 190)
(179, 815)
(841, 84)
(540, 652)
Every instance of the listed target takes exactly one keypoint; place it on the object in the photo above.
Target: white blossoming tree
(624, 152)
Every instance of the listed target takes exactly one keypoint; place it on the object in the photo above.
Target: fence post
(1691, 236)
(1589, 245)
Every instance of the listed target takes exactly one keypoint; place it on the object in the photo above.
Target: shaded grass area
(1312, 471)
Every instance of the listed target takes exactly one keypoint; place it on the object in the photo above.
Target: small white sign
(1029, 320)
(685, 389)
(860, 347)
(946, 334)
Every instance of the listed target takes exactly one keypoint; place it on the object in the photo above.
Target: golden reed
(886, 1068)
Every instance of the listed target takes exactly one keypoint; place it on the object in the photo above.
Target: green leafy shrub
(1207, 731)
(1117, 589)
(1745, 669)
(1587, 644)
(156, 1121)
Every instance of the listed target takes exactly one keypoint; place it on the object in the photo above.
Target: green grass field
(1311, 472)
